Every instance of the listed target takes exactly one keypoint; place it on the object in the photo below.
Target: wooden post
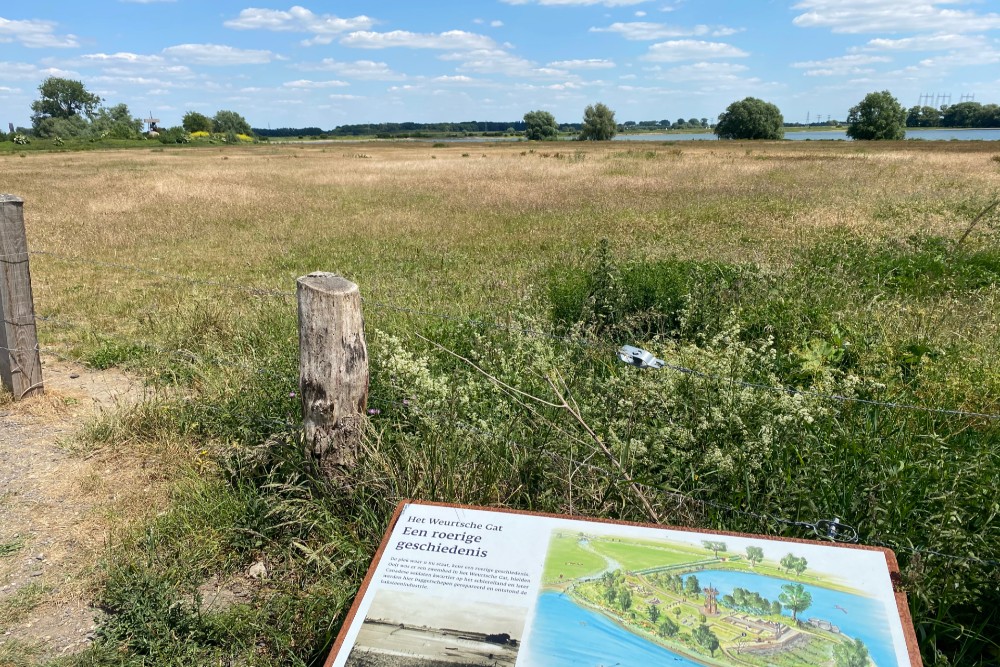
(333, 368)
(20, 361)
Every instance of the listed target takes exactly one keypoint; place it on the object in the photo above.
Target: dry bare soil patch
(56, 507)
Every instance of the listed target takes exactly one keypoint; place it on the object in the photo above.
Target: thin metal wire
(187, 356)
(486, 324)
(833, 397)
(256, 291)
(695, 373)
(537, 334)
(826, 529)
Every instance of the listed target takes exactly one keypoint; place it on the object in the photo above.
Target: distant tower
(153, 124)
(711, 608)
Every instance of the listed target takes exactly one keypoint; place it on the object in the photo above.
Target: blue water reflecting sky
(564, 634)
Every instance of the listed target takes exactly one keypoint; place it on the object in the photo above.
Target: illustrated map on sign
(459, 586)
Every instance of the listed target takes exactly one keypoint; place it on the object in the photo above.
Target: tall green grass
(855, 320)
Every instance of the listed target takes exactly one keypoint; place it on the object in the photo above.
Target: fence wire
(611, 348)
(827, 529)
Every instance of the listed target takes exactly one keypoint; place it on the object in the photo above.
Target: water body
(828, 135)
(940, 134)
(855, 615)
(564, 634)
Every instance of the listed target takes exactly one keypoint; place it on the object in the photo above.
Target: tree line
(963, 114)
(66, 109)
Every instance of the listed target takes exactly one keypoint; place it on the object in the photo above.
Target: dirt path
(56, 505)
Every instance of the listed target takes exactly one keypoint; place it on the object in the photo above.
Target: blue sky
(331, 63)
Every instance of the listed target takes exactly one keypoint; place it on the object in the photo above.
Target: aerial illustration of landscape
(607, 600)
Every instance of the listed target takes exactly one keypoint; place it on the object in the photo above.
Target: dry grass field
(464, 224)
(829, 267)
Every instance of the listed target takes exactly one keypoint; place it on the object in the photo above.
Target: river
(937, 134)
(564, 634)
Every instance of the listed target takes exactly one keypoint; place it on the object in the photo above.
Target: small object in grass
(73, 376)
(639, 357)
(291, 394)
(258, 570)
(374, 411)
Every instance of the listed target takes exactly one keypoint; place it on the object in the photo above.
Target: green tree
(74, 126)
(63, 108)
(63, 98)
(197, 122)
(706, 638)
(800, 565)
(691, 586)
(625, 599)
(787, 562)
(611, 594)
(923, 116)
(755, 555)
(850, 654)
(598, 123)
(879, 116)
(750, 118)
(796, 598)
(667, 627)
(230, 122)
(963, 114)
(540, 126)
(989, 116)
(714, 547)
(654, 613)
(116, 122)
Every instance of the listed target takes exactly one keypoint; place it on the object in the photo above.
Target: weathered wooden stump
(333, 368)
(20, 360)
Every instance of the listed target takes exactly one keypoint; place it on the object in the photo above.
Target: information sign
(459, 586)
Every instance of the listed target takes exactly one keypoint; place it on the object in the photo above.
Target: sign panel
(459, 586)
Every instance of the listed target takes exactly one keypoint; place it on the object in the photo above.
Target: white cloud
(703, 78)
(849, 65)
(498, 61)
(306, 84)
(143, 2)
(640, 14)
(577, 3)
(35, 34)
(938, 42)
(647, 31)
(496, 24)
(132, 80)
(123, 57)
(691, 49)
(986, 56)
(704, 71)
(28, 72)
(891, 16)
(297, 19)
(218, 54)
(590, 63)
(451, 39)
(359, 69)
(458, 78)
(346, 97)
